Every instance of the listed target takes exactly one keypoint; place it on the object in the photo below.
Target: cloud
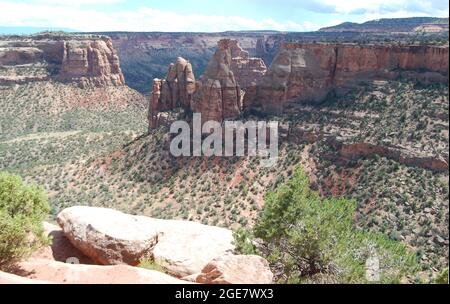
(83, 15)
(45, 13)
(403, 8)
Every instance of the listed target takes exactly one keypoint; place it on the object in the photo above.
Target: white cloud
(78, 15)
(144, 19)
(402, 8)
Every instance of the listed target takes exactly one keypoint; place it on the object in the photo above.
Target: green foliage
(308, 237)
(442, 278)
(150, 264)
(22, 210)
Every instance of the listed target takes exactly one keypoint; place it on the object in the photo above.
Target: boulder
(236, 269)
(112, 237)
(184, 248)
(58, 272)
(60, 249)
(108, 236)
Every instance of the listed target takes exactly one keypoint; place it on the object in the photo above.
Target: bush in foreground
(307, 238)
(22, 211)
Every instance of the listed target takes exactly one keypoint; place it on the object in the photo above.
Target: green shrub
(308, 238)
(22, 210)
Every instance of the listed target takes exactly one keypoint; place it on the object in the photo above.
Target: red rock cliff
(87, 60)
(307, 72)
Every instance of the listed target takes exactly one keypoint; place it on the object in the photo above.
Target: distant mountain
(414, 24)
(27, 30)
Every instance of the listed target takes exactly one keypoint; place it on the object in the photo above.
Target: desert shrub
(442, 278)
(307, 238)
(22, 210)
(150, 264)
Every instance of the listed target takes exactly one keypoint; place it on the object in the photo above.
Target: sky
(207, 15)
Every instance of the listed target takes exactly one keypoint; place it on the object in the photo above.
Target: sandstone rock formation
(308, 72)
(108, 236)
(218, 96)
(91, 63)
(63, 273)
(236, 269)
(175, 91)
(112, 237)
(87, 60)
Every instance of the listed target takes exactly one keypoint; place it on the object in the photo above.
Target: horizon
(205, 16)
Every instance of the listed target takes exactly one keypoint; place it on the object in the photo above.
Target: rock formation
(111, 237)
(87, 60)
(91, 63)
(175, 91)
(308, 72)
(219, 96)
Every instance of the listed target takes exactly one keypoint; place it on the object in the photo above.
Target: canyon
(367, 120)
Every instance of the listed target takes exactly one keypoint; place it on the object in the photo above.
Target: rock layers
(308, 72)
(175, 91)
(218, 95)
(87, 60)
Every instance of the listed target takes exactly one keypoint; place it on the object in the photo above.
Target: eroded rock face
(87, 60)
(308, 72)
(92, 62)
(236, 269)
(175, 91)
(218, 95)
(111, 237)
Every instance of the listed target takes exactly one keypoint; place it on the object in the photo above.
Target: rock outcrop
(87, 60)
(64, 273)
(91, 63)
(218, 96)
(111, 237)
(175, 91)
(308, 72)
(236, 269)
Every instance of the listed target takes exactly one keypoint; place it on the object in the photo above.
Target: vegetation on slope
(22, 211)
(308, 238)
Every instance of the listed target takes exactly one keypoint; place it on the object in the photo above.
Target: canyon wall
(308, 72)
(86, 60)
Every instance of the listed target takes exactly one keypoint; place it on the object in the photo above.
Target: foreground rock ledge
(41, 271)
(111, 237)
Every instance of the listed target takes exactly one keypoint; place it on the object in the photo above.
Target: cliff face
(308, 72)
(218, 95)
(175, 91)
(86, 60)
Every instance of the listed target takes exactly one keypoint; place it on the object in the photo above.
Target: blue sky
(207, 15)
